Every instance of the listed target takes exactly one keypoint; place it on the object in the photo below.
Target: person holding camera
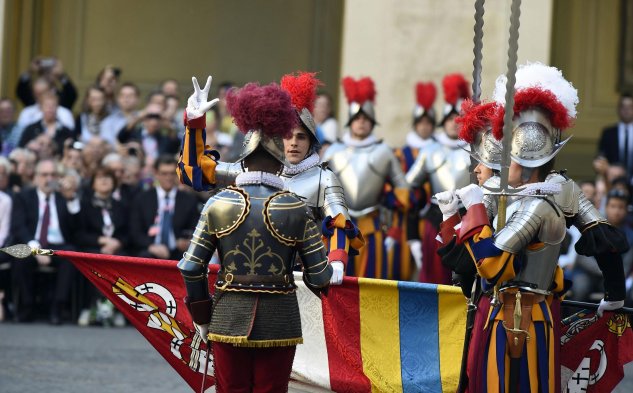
(43, 88)
(151, 133)
(108, 80)
(52, 70)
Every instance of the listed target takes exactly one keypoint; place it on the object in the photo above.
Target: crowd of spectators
(103, 180)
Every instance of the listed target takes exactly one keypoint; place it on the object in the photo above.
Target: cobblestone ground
(68, 359)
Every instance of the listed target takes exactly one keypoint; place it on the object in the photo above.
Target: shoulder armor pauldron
(226, 210)
(567, 199)
(286, 216)
(531, 218)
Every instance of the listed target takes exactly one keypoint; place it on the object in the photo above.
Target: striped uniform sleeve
(197, 162)
(342, 238)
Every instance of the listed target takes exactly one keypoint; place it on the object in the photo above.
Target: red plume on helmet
(475, 118)
(455, 88)
(425, 94)
(535, 98)
(302, 89)
(266, 108)
(360, 90)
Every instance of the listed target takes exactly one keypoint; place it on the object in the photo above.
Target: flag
(365, 336)
(594, 351)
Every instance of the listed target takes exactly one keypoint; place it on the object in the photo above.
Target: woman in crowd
(94, 110)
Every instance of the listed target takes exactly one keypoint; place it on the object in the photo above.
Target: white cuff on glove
(609, 306)
(338, 272)
(416, 252)
(203, 331)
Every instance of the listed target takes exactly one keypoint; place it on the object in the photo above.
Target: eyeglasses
(47, 174)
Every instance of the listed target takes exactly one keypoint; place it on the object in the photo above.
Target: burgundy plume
(266, 108)
(425, 94)
(535, 97)
(455, 88)
(302, 89)
(359, 90)
(474, 118)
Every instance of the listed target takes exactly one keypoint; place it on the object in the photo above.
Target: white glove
(470, 195)
(197, 104)
(416, 251)
(609, 306)
(448, 203)
(203, 331)
(389, 242)
(338, 272)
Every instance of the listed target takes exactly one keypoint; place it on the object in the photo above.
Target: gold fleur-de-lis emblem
(252, 252)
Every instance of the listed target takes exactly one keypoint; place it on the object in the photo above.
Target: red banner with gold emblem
(594, 351)
(150, 293)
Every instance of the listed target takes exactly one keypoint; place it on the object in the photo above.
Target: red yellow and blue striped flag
(382, 336)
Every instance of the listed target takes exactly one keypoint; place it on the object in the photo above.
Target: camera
(46, 64)
(132, 151)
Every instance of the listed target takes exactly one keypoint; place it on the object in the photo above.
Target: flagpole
(478, 45)
(594, 306)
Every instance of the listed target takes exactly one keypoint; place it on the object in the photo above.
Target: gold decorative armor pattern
(282, 213)
(253, 251)
(227, 210)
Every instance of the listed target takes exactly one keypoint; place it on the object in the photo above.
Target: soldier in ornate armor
(409, 245)
(520, 259)
(445, 166)
(257, 228)
(303, 175)
(364, 164)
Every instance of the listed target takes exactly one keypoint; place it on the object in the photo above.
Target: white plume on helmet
(545, 77)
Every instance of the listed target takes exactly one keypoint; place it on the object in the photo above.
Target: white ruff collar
(257, 177)
(415, 141)
(370, 140)
(307, 163)
(448, 142)
(542, 188)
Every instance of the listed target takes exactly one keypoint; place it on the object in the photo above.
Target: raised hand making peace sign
(197, 104)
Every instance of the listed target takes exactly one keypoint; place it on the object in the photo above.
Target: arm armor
(534, 218)
(317, 272)
(333, 195)
(194, 263)
(417, 174)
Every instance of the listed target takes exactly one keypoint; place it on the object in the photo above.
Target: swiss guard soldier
(409, 246)
(364, 164)
(445, 166)
(303, 174)
(257, 229)
(520, 258)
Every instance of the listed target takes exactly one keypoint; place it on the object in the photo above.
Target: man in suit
(163, 218)
(616, 142)
(41, 219)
